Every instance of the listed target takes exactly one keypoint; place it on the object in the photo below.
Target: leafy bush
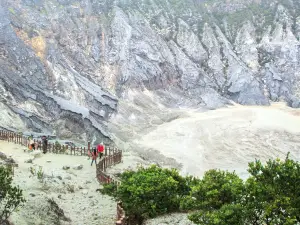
(216, 189)
(109, 189)
(10, 196)
(40, 174)
(151, 191)
(271, 194)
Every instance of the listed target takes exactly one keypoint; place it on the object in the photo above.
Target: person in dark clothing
(94, 156)
(44, 144)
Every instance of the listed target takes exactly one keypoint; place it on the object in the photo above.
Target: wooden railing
(121, 216)
(111, 157)
(51, 147)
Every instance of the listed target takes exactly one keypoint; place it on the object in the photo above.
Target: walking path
(83, 206)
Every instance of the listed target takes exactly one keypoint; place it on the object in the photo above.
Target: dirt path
(83, 206)
(227, 138)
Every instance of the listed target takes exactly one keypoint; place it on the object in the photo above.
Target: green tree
(273, 192)
(151, 191)
(232, 214)
(217, 198)
(10, 196)
(271, 196)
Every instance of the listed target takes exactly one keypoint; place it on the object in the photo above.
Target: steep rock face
(65, 64)
(43, 89)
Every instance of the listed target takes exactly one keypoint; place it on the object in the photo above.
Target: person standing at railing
(44, 144)
(94, 156)
(31, 144)
(100, 149)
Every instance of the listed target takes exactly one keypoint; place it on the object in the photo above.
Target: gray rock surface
(3, 156)
(66, 167)
(69, 67)
(78, 167)
(29, 161)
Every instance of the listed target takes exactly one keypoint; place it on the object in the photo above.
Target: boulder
(68, 178)
(28, 161)
(66, 167)
(36, 154)
(78, 167)
(3, 156)
(10, 161)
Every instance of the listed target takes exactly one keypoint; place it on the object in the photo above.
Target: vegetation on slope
(10, 196)
(228, 15)
(271, 194)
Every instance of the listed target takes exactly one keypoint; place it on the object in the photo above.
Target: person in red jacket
(100, 149)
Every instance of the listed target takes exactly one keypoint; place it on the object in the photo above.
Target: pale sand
(85, 206)
(228, 138)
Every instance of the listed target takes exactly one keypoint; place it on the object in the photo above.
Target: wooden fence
(111, 157)
(103, 178)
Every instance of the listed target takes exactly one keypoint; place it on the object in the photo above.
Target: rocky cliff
(75, 67)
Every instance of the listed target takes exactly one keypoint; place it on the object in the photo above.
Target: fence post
(109, 156)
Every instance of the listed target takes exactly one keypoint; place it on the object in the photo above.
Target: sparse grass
(12, 10)
(70, 188)
(39, 174)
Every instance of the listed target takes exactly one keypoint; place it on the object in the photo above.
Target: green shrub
(109, 189)
(10, 196)
(271, 194)
(216, 189)
(40, 174)
(150, 192)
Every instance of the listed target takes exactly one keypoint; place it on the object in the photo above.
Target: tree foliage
(151, 191)
(271, 194)
(10, 196)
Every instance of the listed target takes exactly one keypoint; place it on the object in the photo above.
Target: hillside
(81, 69)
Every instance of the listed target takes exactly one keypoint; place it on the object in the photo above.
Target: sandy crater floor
(227, 138)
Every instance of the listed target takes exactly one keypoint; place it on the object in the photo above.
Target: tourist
(94, 156)
(31, 144)
(44, 144)
(100, 149)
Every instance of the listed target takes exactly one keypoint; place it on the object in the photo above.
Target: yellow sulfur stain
(37, 43)
(39, 46)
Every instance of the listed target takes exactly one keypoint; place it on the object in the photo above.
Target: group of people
(34, 145)
(96, 151)
(99, 150)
